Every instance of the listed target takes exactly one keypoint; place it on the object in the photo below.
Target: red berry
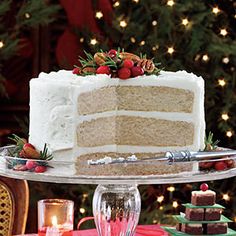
(128, 63)
(137, 70)
(40, 169)
(206, 165)
(30, 164)
(124, 73)
(112, 53)
(220, 165)
(204, 187)
(76, 71)
(103, 70)
(28, 145)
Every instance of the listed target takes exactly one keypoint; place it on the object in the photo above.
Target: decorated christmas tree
(197, 36)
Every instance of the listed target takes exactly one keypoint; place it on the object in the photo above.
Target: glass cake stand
(116, 201)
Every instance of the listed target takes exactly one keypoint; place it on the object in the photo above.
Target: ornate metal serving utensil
(170, 157)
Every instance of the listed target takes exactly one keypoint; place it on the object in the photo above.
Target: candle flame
(54, 221)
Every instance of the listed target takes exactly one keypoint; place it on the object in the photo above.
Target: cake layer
(203, 198)
(136, 98)
(213, 214)
(134, 130)
(194, 214)
(218, 228)
(149, 168)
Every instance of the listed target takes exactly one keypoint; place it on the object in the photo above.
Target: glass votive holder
(55, 217)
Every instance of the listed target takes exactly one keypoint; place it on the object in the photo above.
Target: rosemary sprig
(44, 155)
(88, 62)
(19, 144)
(86, 73)
(143, 56)
(110, 62)
(210, 144)
(156, 71)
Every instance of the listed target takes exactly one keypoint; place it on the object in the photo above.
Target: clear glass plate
(132, 173)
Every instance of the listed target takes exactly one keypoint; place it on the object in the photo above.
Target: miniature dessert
(203, 198)
(202, 219)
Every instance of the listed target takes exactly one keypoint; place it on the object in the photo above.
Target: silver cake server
(170, 157)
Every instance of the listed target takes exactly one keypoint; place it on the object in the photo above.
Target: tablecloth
(142, 230)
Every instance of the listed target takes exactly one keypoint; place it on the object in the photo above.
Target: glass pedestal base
(116, 209)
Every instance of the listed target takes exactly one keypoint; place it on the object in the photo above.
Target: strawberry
(124, 73)
(26, 145)
(103, 70)
(76, 71)
(206, 165)
(40, 169)
(30, 164)
(137, 70)
(112, 53)
(220, 165)
(128, 63)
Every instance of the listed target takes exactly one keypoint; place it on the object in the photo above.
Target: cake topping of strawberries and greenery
(117, 64)
(221, 165)
(29, 157)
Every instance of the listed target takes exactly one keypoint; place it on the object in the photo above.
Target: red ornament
(112, 53)
(103, 70)
(204, 187)
(137, 70)
(220, 165)
(76, 71)
(128, 63)
(30, 164)
(40, 169)
(124, 73)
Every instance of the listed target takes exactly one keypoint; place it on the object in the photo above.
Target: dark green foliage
(14, 22)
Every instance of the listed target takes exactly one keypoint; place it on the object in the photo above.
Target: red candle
(55, 217)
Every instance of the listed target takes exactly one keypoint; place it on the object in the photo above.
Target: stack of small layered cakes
(203, 216)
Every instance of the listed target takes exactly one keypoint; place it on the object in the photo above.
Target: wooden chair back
(14, 203)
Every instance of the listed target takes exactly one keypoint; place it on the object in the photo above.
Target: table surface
(142, 230)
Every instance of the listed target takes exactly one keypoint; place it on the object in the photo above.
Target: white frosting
(207, 192)
(54, 116)
(108, 160)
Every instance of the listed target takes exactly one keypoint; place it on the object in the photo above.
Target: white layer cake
(90, 117)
